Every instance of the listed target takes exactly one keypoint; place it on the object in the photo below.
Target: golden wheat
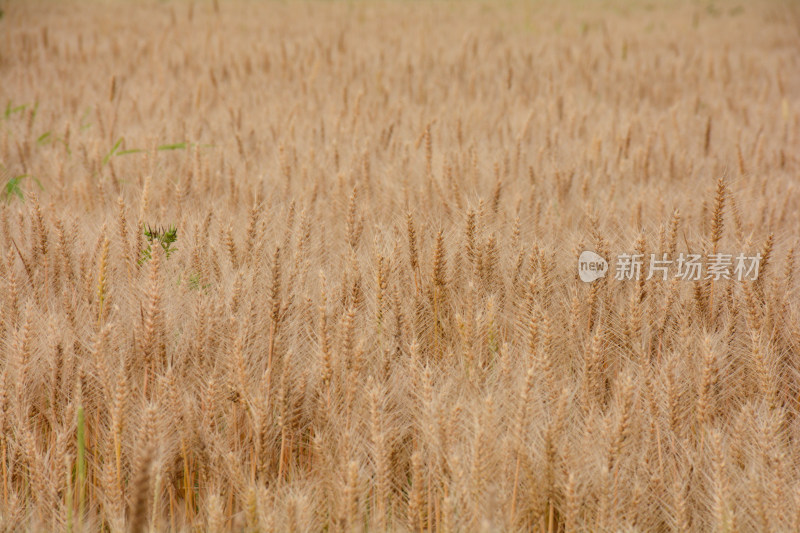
(370, 316)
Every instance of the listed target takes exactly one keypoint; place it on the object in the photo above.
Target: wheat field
(281, 266)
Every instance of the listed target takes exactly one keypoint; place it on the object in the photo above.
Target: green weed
(164, 237)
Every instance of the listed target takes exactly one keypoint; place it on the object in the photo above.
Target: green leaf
(83, 117)
(177, 146)
(12, 188)
(66, 146)
(131, 151)
(146, 256)
(11, 110)
(43, 138)
(110, 154)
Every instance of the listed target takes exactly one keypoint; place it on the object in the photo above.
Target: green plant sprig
(164, 237)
